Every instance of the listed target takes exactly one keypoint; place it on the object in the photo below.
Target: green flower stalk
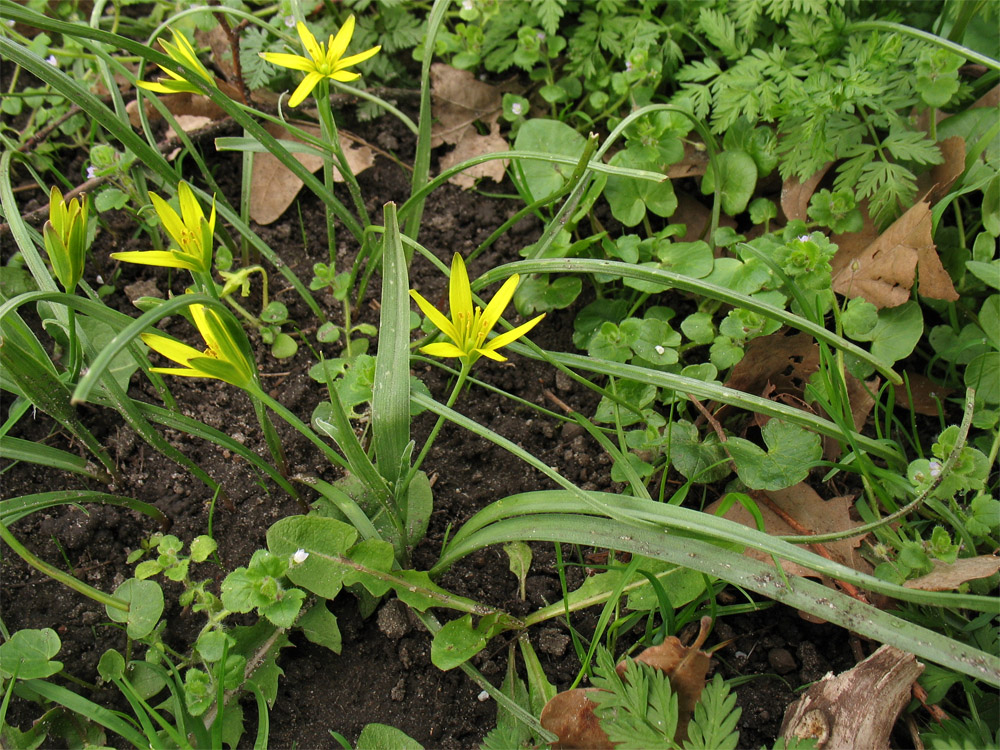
(323, 61)
(191, 235)
(469, 326)
(182, 52)
(65, 236)
(223, 359)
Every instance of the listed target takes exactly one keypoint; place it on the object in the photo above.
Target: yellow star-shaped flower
(180, 51)
(223, 359)
(469, 326)
(324, 60)
(190, 232)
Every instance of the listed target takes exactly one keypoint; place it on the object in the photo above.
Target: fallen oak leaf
(273, 186)
(948, 576)
(460, 100)
(884, 271)
(795, 194)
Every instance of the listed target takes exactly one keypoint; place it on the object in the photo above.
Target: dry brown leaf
(273, 187)
(467, 148)
(784, 361)
(936, 183)
(947, 576)
(460, 100)
(928, 396)
(990, 99)
(185, 104)
(695, 216)
(883, 272)
(856, 708)
(570, 714)
(795, 195)
(812, 513)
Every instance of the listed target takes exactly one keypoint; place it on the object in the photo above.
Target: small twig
(933, 709)
(557, 401)
(232, 35)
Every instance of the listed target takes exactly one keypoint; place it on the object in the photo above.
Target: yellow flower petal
(459, 292)
(169, 348)
(305, 88)
(442, 349)
(490, 354)
(344, 76)
(440, 321)
(162, 258)
(498, 304)
(284, 60)
(512, 335)
(309, 42)
(360, 57)
(171, 221)
(338, 44)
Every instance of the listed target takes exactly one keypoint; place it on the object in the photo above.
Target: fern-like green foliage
(639, 710)
(834, 96)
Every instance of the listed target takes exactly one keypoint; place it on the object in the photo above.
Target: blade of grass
(16, 508)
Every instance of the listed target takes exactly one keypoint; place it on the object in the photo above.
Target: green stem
(459, 384)
(52, 572)
(257, 393)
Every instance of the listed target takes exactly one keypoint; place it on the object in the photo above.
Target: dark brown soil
(384, 673)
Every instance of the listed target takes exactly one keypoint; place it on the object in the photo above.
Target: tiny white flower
(468, 4)
(804, 238)
(91, 172)
(100, 279)
(300, 556)
(540, 36)
(935, 468)
(290, 22)
(483, 697)
(516, 108)
(628, 66)
(659, 349)
(51, 60)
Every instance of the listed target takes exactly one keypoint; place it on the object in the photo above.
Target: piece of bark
(840, 713)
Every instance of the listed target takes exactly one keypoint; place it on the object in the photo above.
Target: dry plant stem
(232, 36)
(933, 709)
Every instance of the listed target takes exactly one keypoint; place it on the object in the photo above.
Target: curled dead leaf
(948, 576)
(273, 187)
(460, 100)
(795, 195)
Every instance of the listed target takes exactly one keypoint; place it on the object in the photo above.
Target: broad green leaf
(419, 504)
(696, 459)
(384, 737)
(983, 374)
(681, 584)
(319, 625)
(543, 178)
(894, 336)
(325, 539)
(791, 452)
(630, 197)
(739, 178)
(519, 557)
(458, 641)
(145, 599)
(111, 666)
(28, 655)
